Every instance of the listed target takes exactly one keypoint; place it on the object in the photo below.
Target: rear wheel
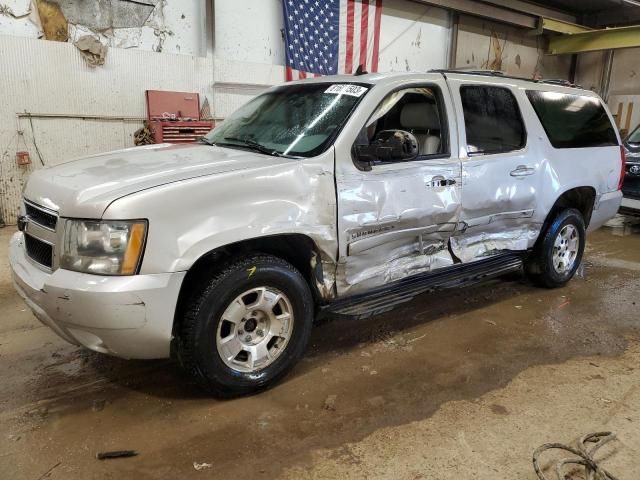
(559, 251)
(248, 327)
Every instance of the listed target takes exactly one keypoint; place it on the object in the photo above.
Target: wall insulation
(171, 26)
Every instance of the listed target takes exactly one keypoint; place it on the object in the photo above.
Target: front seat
(421, 119)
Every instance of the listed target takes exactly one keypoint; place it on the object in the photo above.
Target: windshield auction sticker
(346, 89)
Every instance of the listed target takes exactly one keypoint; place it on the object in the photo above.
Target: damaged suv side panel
(395, 219)
(293, 197)
(343, 194)
(500, 169)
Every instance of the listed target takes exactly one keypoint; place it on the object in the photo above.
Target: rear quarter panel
(563, 169)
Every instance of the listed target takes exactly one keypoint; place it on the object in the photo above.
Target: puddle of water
(623, 225)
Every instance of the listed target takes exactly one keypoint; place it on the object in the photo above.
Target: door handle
(440, 181)
(522, 171)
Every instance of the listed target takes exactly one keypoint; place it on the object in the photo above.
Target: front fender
(190, 218)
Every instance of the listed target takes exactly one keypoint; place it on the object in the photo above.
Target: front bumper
(129, 317)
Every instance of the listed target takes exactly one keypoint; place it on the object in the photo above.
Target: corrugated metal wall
(50, 78)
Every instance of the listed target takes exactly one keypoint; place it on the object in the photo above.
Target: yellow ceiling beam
(559, 26)
(610, 38)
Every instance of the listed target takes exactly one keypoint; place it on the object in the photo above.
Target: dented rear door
(501, 168)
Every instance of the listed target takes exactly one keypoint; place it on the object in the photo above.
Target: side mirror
(389, 146)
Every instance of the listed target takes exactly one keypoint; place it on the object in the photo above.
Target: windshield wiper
(206, 140)
(247, 142)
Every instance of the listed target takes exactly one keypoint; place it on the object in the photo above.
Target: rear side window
(573, 121)
(492, 120)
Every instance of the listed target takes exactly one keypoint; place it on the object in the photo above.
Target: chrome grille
(39, 251)
(41, 216)
(40, 235)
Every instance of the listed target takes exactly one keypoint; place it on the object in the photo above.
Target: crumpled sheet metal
(472, 247)
(93, 52)
(395, 223)
(326, 285)
(284, 196)
(391, 262)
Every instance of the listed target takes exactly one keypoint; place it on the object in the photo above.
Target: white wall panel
(236, 82)
(413, 37)
(589, 70)
(249, 30)
(625, 74)
(51, 78)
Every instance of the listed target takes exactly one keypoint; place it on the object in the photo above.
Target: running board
(384, 298)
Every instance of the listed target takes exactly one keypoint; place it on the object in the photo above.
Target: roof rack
(484, 73)
(471, 71)
(559, 81)
(500, 74)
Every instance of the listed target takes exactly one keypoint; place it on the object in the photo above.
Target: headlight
(103, 247)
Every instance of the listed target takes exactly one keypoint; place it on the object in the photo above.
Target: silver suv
(344, 195)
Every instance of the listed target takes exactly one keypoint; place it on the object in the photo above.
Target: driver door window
(413, 110)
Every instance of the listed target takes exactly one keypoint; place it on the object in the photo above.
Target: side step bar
(384, 298)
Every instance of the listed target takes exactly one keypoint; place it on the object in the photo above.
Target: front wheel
(248, 327)
(559, 251)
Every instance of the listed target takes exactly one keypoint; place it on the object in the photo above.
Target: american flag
(326, 37)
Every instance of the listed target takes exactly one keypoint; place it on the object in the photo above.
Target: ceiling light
(632, 2)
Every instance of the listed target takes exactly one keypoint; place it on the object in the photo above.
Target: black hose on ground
(583, 456)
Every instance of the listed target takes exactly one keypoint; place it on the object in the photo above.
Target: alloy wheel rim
(565, 249)
(255, 329)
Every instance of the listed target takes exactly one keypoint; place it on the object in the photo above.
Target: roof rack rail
(559, 81)
(498, 73)
(485, 73)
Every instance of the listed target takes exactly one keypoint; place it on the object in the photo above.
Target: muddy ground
(458, 385)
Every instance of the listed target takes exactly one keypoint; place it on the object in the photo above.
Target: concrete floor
(453, 386)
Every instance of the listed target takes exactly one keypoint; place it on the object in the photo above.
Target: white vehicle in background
(342, 194)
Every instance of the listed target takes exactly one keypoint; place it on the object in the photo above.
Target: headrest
(420, 116)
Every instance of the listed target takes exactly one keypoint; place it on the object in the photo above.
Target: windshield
(294, 120)
(634, 137)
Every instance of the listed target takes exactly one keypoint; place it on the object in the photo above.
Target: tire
(218, 321)
(558, 252)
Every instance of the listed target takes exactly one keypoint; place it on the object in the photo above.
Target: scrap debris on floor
(582, 454)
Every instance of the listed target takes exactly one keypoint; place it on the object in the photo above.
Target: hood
(86, 187)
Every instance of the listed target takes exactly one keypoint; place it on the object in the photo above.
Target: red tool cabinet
(174, 117)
